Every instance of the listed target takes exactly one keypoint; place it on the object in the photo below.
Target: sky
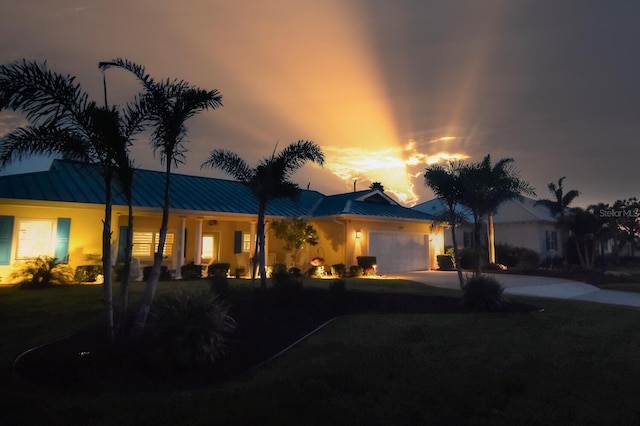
(385, 88)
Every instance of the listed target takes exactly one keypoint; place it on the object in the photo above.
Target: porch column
(180, 251)
(197, 253)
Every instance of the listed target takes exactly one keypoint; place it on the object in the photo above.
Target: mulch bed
(267, 324)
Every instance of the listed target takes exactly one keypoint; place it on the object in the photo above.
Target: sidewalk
(527, 285)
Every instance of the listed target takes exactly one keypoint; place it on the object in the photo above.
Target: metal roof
(522, 209)
(76, 182)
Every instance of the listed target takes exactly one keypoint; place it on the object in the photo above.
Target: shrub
(191, 271)
(316, 271)
(366, 262)
(295, 272)
(218, 284)
(284, 281)
(87, 273)
(445, 262)
(482, 293)
(355, 271)
(240, 272)
(468, 257)
(188, 330)
(339, 269)
(218, 269)
(43, 271)
(165, 275)
(517, 257)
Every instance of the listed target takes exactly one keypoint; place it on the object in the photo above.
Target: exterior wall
(360, 246)
(337, 235)
(531, 235)
(224, 229)
(85, 234)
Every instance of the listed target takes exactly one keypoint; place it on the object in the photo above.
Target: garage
(399, 251)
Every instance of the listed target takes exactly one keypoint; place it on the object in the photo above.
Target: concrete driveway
(527, 285)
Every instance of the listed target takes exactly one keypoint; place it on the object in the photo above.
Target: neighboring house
(59, 213)
(518, 223)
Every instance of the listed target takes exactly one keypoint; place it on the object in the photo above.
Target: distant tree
(296, 234)
(585, 225)
(267, 182)
(170, 103)
(558, 206)
(63, 120)
(377, 186)
(446, 184)
(628, 222)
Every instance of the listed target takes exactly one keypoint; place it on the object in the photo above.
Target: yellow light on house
(358, 234)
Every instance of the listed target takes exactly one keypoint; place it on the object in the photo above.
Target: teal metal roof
(356, 203)
(75, 182)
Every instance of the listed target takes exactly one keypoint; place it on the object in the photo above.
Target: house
(518, 223)
(59, 212)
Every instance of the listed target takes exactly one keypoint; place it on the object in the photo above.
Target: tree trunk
(126, 270)
(107, 288)
(154, 275)
(262, 257)
(456, 255)
(491, 239)
(477, 227)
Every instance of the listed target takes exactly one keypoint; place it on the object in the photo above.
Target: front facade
(59, 213)
(518, 223)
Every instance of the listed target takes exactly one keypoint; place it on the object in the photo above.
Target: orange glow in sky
(338, 100)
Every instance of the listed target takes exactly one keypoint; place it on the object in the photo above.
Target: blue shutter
(6, 237)
(62, 244)
(237, 242)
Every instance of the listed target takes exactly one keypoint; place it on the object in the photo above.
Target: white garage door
(399, 251)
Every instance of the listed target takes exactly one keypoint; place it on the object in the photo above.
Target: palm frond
(42, 95)
(294, 156)
(230, 163)
(26, 141)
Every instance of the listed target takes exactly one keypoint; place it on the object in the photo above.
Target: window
(551, 240)
(210, 247)
(467, 237)
(144, 241)
(246, 243)
(35, 238)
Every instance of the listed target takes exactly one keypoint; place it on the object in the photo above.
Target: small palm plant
(188, 330)
(482, 293)
(42, 272)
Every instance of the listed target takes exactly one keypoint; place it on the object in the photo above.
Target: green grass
(574, 364)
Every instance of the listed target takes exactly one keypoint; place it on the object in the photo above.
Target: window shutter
(237, 242)
(62, 244)
(122, 244)
(6, 237)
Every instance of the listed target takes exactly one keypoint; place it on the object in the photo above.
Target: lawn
(574, 363)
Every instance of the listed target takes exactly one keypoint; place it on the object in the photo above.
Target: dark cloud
(552, 84)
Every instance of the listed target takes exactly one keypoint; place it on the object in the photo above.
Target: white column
(180, 251)
(197, 254)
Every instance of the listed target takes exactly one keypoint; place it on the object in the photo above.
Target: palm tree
(485, 188)
(63, 120)
(170, 103)
(445, 182)
(268, 181)
(559, 205)
(503, 184)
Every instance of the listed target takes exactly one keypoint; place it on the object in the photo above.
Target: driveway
(527, 285)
